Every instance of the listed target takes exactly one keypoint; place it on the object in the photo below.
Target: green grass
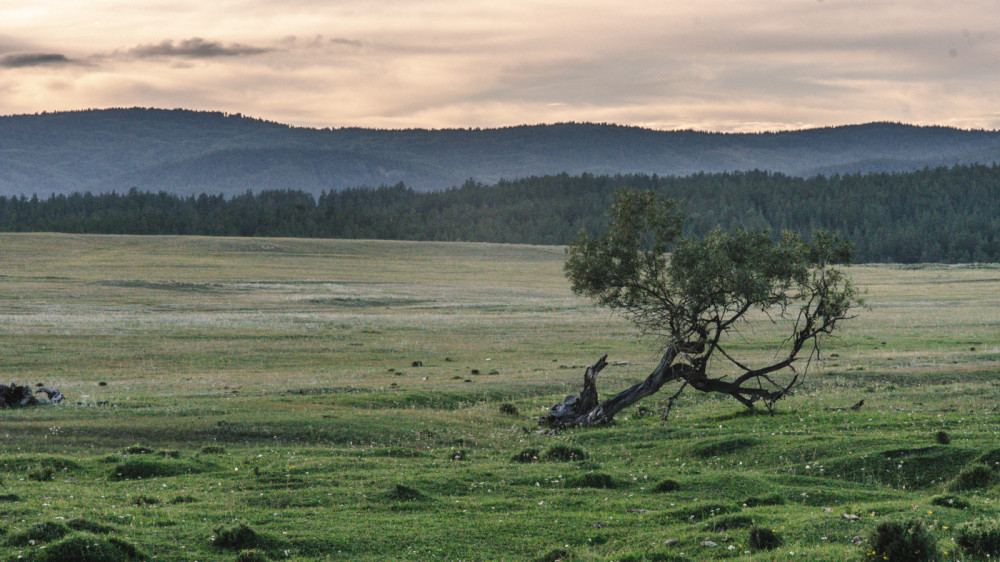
(312, 395)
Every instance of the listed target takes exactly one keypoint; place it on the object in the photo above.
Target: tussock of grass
(903, 540)
(135, 469)
(766, 500)
(667, 485)
(80, 524)
(213, 450)
(47, 531)
(729, 522)
(955, 502)
(562, 453)
(593, 480)
(912, 468)
(762, 538)
(974, 477)
(85, 547)
(403, 493)
(723, 446)
(527, 455)
(980, 538)
(252, 555)
(236, 537)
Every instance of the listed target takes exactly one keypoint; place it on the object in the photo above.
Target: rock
(672, 542)
(708, 543)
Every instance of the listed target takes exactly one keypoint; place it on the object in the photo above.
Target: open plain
(324, 399)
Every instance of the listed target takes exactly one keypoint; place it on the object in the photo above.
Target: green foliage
(80, 524)
(950, 501)
(907, 541)
(403, 493)
(774, 499)
(527, 455)
(974, 477)
(667, 485)
(723, 446)
(47, 531)
(84, 547)
(729, 522)
(134, 469)
(762, 538)
(563, 453)
(942, 437)
(593, 480)
(41, 474)
(253, 555)
(236, 537)
(980, 537)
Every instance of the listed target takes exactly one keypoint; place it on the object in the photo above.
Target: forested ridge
(935, 215)
(188, 152)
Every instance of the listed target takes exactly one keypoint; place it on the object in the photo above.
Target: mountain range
(190, 152)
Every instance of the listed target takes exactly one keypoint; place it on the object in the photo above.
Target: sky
(714, 65)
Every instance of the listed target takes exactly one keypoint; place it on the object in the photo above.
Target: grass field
(321, 399)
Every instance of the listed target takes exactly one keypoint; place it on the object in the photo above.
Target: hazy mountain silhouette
(188, 152)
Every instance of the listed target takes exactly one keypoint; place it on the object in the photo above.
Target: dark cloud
(21, 60)
(195, 48)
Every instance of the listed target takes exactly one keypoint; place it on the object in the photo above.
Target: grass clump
(942, 438)
(554, 555)
(762, 538)
(139, 450)
(41, 474)
(85, 525)
(903, 540)
(972, 477)
(990, 459)
(135, 469)
(183, 499)
(508, 409)
(237, 537)
(980, 537)
(722, 446)
(213, 450)
(527, 455)
(42, 532)
(562, 453)
(252, 555)
(594, 480)
(667, 485)
(403, 493)
(950, 501)
(85, 547)
(773, 499)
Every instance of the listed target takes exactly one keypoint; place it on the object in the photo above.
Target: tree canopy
(696, 293)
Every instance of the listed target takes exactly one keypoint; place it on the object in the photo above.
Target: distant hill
(188, 152)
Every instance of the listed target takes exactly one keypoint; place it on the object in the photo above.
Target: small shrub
(41, 474)
(562, 453)
(84, 547)
(508, 409)
(667, 485)
(972, 478)
(213, 450)
(527, 455)
(594, 480)
(774, 499)
(237, 537)
(417, 364)
(41, 532)
(980, 537)
(903, 540)
(102, 383)
(762, 538)
(254, 555)
(475, 371)
(138, 450)
(942, 437)
(170, 454)
(950, 501)
(730, 522)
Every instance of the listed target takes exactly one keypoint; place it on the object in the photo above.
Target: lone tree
(696, 294)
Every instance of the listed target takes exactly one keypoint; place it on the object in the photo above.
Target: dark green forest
(949, 215)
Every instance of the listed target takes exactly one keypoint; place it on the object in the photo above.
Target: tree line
(945, 214)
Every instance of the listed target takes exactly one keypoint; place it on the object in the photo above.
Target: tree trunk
(585, 408)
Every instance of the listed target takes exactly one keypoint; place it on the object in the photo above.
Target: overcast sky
(725, 65)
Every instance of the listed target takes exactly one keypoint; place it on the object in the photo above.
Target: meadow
(271, 399)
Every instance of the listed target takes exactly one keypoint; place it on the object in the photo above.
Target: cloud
(194, 48)
(22, 60)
